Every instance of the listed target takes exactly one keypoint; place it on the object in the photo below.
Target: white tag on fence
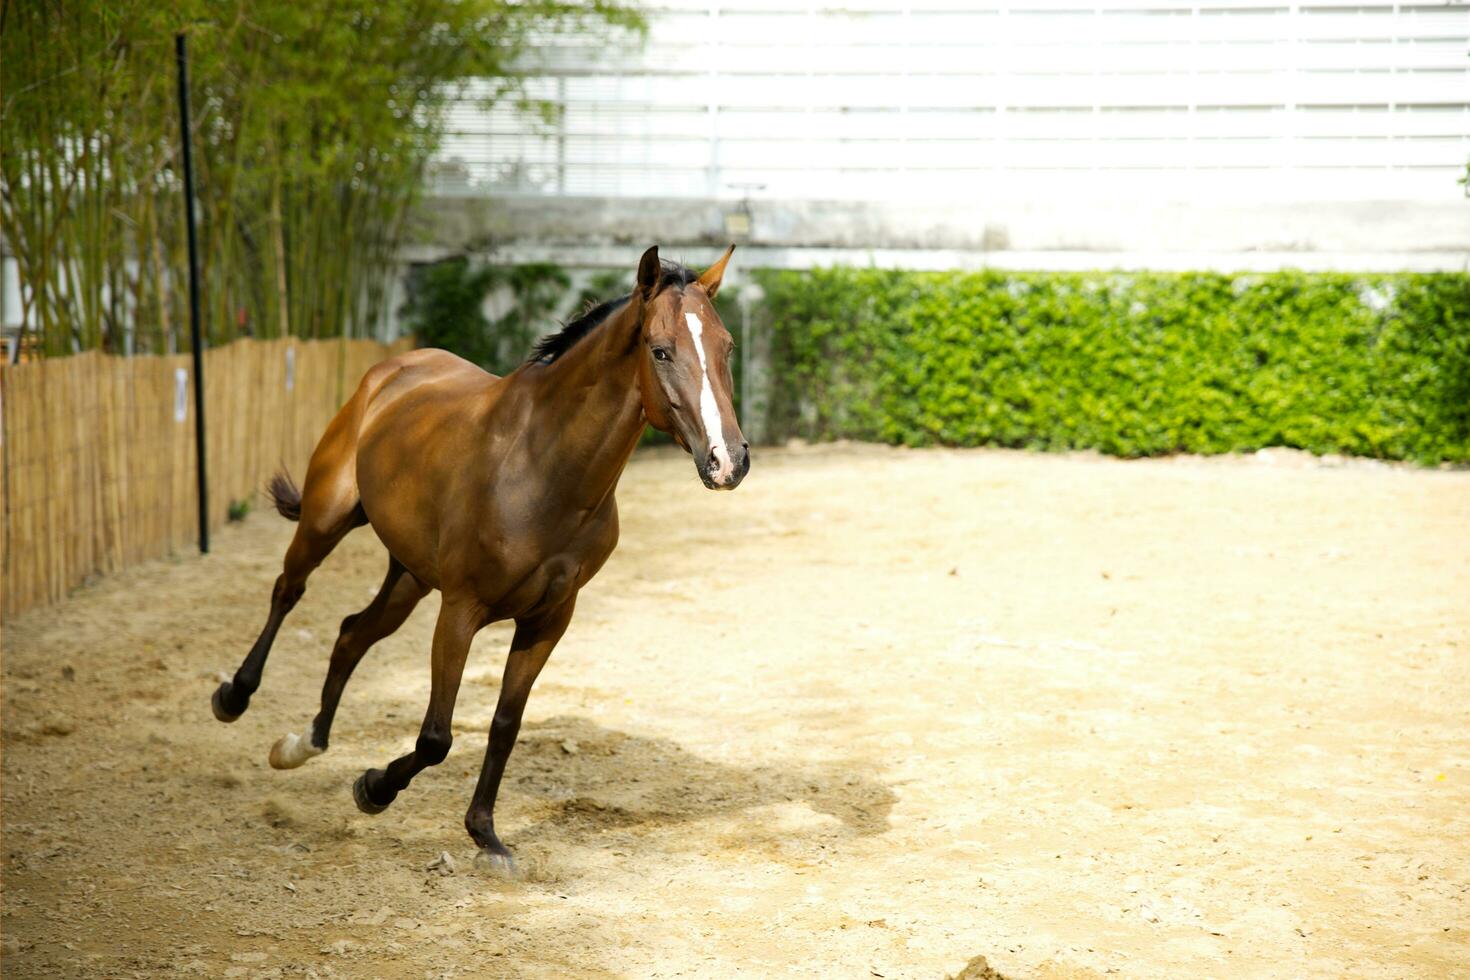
(181, 394)
(290, 368)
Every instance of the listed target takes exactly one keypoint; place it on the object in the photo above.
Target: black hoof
(498, 862)
(218, 701)
(360, 797)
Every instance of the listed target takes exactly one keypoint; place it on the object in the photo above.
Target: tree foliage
(313, 125)
(446, 308)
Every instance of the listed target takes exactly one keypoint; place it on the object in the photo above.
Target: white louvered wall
(877, 100)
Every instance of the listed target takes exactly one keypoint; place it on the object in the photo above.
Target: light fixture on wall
(740, 221)
(737, 224)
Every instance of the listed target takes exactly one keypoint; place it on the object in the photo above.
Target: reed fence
(98, 451)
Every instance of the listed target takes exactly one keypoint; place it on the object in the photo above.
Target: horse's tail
(286, 495)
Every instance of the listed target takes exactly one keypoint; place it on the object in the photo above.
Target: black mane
(554, 345)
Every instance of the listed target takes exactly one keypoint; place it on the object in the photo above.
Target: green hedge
(1132, 364)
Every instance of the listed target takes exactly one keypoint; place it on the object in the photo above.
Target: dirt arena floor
(875, 714)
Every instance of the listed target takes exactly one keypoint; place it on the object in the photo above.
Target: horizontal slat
(1448, 122)
(1380, 54)
(837, 29)
(924, 154)
(877, 90)
(1055, 8)
(961, 57)
(796, 26)
(1328, 182)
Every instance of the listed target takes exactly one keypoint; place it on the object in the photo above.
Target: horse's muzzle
(717, 474)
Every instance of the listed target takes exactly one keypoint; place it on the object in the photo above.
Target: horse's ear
(649, 271)
(712, 276)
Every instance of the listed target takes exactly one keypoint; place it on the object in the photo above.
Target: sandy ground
(874, 714)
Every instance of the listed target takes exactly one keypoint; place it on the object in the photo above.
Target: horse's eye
(660, 354)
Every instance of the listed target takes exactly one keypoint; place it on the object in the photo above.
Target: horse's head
(684, 367)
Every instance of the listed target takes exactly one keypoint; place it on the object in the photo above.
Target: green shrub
(446, 304)
(1132, 364)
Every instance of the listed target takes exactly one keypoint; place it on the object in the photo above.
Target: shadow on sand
(600, 780)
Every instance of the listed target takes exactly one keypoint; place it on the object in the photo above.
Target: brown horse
(498, 492)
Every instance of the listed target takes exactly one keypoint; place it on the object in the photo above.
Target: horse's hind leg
(397, 598)
(459, 619)
(327, 513)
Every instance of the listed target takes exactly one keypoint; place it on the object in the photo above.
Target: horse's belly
(403, 511)
(411, 549)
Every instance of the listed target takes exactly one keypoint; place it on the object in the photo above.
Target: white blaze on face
(709, 412)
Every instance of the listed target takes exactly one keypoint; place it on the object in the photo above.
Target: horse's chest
(544, 575)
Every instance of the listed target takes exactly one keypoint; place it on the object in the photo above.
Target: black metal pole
(180, 46)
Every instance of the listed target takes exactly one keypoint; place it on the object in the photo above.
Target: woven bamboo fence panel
(98, 451)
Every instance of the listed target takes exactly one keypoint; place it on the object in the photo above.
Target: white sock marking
(292, 750)
(709, 411)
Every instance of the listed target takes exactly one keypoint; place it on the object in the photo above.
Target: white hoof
(292, 750)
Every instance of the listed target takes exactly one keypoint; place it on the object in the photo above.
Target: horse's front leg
(459, 621)
(534, 640)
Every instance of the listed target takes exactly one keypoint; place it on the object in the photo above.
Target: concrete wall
(584, 232)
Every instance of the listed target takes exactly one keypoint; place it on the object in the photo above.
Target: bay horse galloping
(498, 492)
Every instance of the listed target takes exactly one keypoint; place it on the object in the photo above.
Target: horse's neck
(592, 409)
